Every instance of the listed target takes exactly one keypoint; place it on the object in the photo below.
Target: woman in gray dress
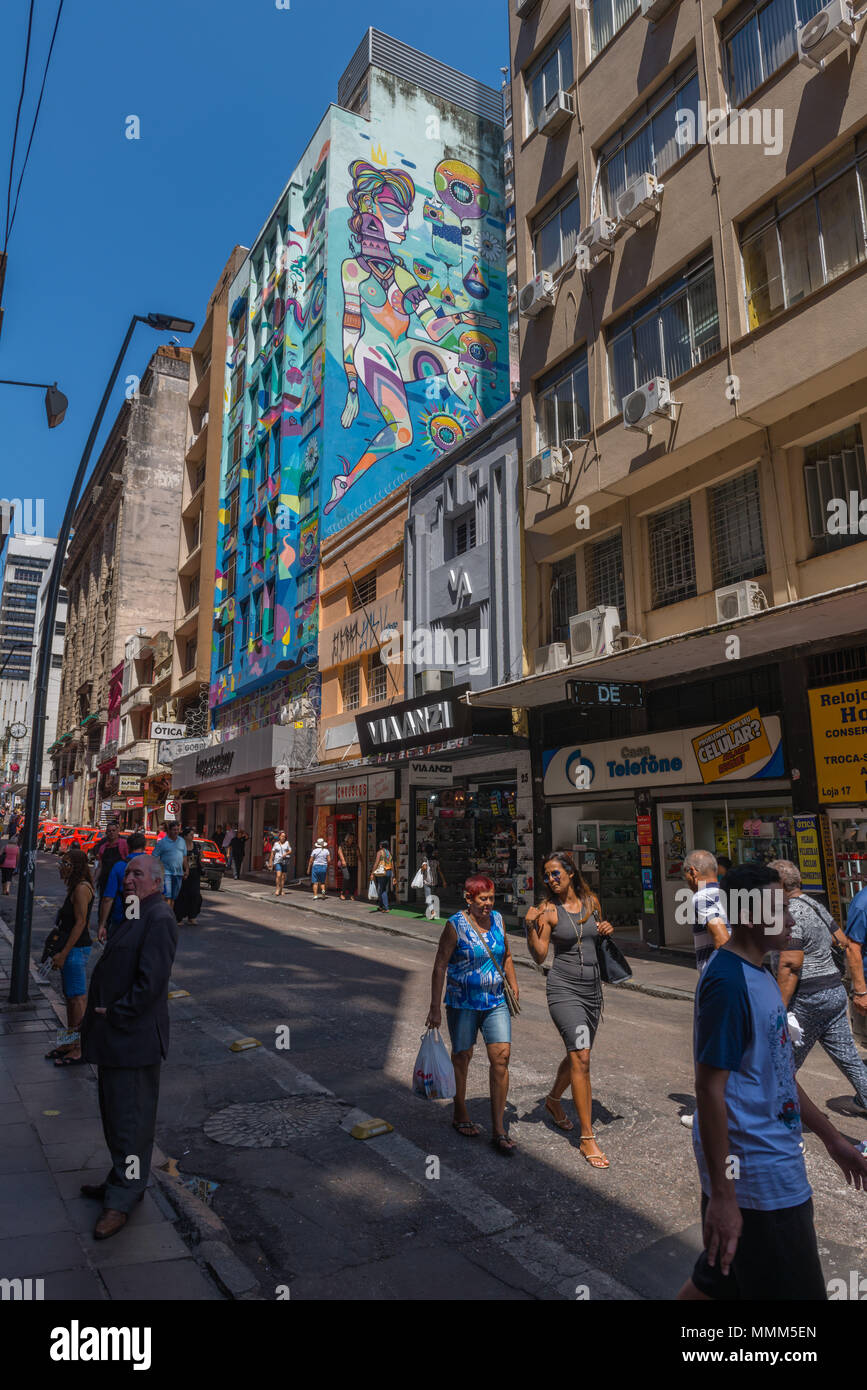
(570, 919)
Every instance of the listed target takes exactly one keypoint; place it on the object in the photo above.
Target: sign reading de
(168, 730)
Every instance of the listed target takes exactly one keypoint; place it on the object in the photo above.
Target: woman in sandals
(71, 959)
(476, 999)
(570, 919)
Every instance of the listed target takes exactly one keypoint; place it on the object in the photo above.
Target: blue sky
(227, 93)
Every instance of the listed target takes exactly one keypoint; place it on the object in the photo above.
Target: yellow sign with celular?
(731, 746)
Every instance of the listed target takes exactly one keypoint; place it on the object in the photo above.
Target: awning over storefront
(820, 616)
(275, 745)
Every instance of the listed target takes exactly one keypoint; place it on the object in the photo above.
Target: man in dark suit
(125, 1031)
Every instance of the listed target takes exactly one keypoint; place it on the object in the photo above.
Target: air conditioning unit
(523, 7)
(653, 398)
(536, 295)
(431, 682)
(644, 195)
(592, 634)
(827, 31)
(655, 9)
(547, 660)
(558, 112)
(598, 237)
(740, 600)
(548, 466)
(508, 163)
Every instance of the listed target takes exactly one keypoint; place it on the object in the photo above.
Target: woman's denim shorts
(319, 873)
(74, 972)
(464, 1025)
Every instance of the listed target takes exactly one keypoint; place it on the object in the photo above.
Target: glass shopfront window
(473, 828)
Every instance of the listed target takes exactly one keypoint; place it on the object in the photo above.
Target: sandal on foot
(466, 1128)
(595, 1160)
(563, 1123)
(70, 1062)
(503, 1144)
(57, 1052)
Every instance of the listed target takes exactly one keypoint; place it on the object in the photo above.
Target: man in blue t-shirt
(757, 1210)
(856, 930)
(112, 902)
(171, 850)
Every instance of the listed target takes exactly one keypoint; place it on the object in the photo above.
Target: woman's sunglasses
(555, 873)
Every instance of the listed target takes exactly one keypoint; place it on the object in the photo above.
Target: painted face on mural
(393, 219)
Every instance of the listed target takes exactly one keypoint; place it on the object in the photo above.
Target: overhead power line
(35, 116)
(12, 207)
(18, 121)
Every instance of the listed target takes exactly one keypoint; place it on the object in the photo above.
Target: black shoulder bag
(614, 968)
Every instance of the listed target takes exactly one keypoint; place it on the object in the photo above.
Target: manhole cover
(274, 1124)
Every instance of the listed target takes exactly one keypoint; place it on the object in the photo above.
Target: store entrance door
(675, 830)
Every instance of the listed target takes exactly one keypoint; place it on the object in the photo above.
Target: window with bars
(834, 469)
(362, 592)
(606, 18)
(652, 140)
(350, 684)
(808, 236)
(603, 562)
(563, 403)
(737, 544)
(837, 668)
(758, 38)
(377, 679)
(552, 72)
(464, 533)
(564, 597)
(676, 329)
(555, 229)
(672, 558)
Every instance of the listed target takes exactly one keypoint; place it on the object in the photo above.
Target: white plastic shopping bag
(418, 881)
(372, 892)
(434, 1075)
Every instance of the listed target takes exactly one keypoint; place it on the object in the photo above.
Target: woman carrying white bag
(474, 960)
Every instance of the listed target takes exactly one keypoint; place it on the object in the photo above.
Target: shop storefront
(364, 804)
(630, 812)
(838, 716)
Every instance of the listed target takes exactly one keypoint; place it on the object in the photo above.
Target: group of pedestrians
(753, 1029)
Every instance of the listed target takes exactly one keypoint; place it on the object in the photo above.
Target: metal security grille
(834, 477)
(377, 679)
(564, 597)
(349, 685)
(737, 546)
(363, 591)
(604, 572)
(672, 560)
(836, 668)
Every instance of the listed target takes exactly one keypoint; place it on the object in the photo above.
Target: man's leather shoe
(96, 1190)
(109, 1224)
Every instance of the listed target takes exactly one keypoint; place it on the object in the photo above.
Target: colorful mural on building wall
(368, 333)
(417, 338)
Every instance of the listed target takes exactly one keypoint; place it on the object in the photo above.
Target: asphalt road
(331, 1216)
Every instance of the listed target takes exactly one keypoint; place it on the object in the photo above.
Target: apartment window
(245, 624)
(555, 229)
(672, 559)
(648, 143)
(350, 685)
(362, 592)
(377, 679)
(603, 563)
(806, 237)
(606, 17)
(29, 576)
(59, 629)
(464, 533)
(56, 661)
(191, 648)
(305, 586)
(551, 73)
(268, 613)
(833, 469)
(758, 39)
(236, 386)
(256, 616)
(737, 547)
(564, 597)
(192, 593)
(232, 518)
(677, 328)
(225, 645)
(563, 403)
(235, 446)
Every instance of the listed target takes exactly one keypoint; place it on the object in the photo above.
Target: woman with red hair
(473, 957)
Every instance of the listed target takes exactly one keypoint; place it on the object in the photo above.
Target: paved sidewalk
(50, 1142)
(667, 974)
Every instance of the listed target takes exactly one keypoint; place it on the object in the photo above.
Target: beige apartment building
(200, 500)
(691, 238)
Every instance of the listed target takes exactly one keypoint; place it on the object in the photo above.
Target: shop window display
(608, 856)
(474, 831)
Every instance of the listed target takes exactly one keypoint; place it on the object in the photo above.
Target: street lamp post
(55, 401)
(18, 988)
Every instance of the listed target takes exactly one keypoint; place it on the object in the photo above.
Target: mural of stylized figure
(380, 296)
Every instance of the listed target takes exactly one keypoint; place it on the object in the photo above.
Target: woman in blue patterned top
(475, 999)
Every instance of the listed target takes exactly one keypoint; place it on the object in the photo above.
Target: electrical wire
(10, 218)
(18, 120)
(35, 119)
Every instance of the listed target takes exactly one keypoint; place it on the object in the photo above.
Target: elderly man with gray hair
(125, 1031)
(811, 984)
